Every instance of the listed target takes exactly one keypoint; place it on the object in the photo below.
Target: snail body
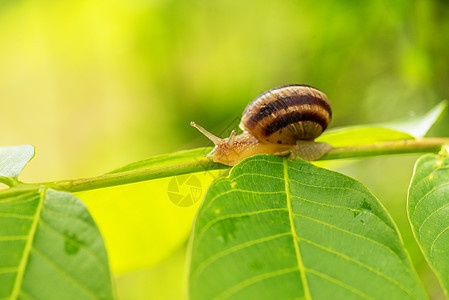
(284, 120)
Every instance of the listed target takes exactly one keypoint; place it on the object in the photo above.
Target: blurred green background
(96, 84)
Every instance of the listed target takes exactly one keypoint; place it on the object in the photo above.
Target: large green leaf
(50, 248)
(287, 229)
(428, 211)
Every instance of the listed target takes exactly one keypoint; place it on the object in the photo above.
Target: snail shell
(286, 114)
(283, 121)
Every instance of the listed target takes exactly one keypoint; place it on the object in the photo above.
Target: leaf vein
(56, 213)
(13, 237)
(207, 262)
(256, 174)
(226, 217)
(344, 207)
(425, 196)
(7, 270)
(65, 237)
(253, 280)
(300, 263)
(435, 240)
(355, 234)
(331, 187)
(14, 198)
(63, 274)
(333, 176)
(15, 216)
(238, 190)
(28, 247)
(427, 176)
(340, 283)
(432, 214)
(335, 206)
(241, 166)
(369, 268)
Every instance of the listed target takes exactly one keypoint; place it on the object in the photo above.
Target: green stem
(126, 177)
(427, 145)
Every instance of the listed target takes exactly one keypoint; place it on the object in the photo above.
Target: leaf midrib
(28, 247)
(301, 267)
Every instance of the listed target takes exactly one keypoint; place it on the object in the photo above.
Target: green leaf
(166, 159)
(14, 158)
(291, 229)
(50, 248)
(414, 127)
(419, 125)
(428, 212)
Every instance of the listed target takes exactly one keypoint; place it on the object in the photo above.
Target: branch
(426, 145)
(126, 177)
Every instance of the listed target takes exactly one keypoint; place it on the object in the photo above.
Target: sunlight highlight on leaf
(418, 126)
(414, 127)
(14, 158)
(361, 135)
(291, 229)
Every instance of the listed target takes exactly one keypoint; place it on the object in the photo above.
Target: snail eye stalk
(231, 139)
(209, 135)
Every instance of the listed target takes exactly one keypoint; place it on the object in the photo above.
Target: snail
(284, 120)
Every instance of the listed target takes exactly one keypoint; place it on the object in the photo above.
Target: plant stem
(426, 145)
(126, 177)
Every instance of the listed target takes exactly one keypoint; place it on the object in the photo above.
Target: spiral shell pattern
(286, 114)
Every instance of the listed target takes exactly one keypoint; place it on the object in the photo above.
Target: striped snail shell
(282, 121)
(287, 114)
